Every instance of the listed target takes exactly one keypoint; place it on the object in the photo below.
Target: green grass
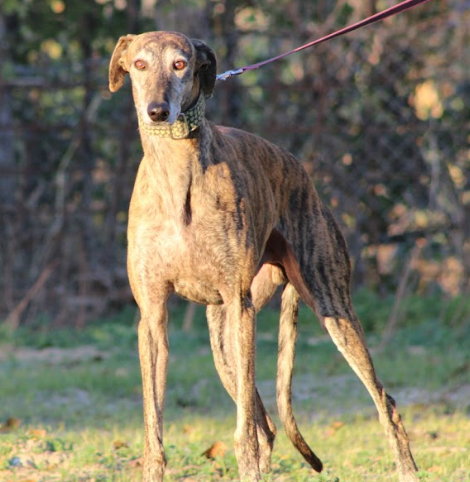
(77, 397)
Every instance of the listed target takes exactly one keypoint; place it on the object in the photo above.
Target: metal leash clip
(229, 73)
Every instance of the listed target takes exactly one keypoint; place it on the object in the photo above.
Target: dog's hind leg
(265, 283)
(318, 265)
(336, 312)
(263, 287)
(285, 365)
(348, 336)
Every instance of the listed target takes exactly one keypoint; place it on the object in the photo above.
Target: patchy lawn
(70, 406)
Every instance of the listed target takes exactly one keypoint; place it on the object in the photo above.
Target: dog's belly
(197, 291)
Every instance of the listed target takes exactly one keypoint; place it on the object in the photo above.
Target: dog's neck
(166, 148)
(172, 165)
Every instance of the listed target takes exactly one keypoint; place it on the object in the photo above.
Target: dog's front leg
(221, 337)
(241, 316)
(153, 353)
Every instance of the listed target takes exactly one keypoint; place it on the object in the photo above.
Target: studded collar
(185, 123)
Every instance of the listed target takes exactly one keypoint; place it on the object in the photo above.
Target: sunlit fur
(222, 218)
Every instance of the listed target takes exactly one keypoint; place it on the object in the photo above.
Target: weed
(423, 475)
(58, 445)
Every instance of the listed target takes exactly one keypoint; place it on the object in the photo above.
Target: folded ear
(206, 66)
(117, 66)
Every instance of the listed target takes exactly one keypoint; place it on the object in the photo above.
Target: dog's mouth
(166, 123)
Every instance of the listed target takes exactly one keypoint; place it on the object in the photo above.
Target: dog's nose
(158, 112)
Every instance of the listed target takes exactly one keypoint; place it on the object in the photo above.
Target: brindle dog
(223, 217)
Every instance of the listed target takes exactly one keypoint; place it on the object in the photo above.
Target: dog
(223, 217)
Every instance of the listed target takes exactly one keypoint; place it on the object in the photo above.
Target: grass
(70, 403)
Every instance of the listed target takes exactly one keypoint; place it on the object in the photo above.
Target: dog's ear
(206, 66)
(117, 66)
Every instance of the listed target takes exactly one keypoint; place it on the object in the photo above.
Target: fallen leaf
(334, 427)
(119, 444)
(136, 462)
(337, 425)
(37, 432)
(11, 424)
(217, 449)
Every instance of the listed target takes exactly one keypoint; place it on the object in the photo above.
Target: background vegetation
(380, 119)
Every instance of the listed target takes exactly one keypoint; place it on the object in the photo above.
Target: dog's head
(168, 71)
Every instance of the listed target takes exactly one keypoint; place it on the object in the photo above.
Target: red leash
(374, 18)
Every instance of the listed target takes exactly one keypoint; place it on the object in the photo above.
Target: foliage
(379, 118)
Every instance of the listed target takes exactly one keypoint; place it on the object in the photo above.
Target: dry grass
(73, 413)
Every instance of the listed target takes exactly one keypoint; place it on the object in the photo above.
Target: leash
(401, 7)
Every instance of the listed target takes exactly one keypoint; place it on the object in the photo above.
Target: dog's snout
(158, 112)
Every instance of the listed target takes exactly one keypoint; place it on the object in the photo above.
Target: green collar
(183, 126)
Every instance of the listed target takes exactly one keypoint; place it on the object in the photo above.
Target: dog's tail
(285, 365)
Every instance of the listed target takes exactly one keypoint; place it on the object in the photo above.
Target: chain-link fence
(380, 119)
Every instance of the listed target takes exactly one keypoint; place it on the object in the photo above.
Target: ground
(71, 404)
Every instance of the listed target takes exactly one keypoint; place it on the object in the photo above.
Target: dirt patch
(30, 457)
(52, 356)
(344, 394)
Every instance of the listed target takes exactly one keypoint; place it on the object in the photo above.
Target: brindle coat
(223, 217)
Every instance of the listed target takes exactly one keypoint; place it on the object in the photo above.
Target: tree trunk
(7, 162)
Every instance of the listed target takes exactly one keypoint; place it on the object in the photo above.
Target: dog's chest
(193, 238)
(191, 258)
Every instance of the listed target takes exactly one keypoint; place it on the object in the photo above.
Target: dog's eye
(180, 65)
(140, 64)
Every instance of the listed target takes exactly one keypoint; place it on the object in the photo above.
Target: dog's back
(289, 214)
